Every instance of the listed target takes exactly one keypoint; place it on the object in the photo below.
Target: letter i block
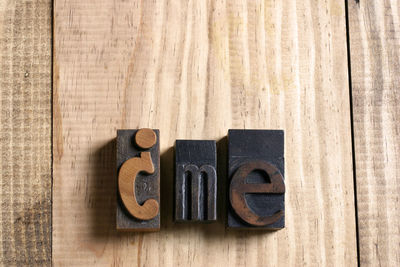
(256, 184)
(138, 167)
(195, 181)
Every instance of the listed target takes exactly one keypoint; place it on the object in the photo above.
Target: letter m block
(195, 181)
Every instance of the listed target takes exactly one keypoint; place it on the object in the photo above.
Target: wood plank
(25, 132)
(195, 69)
(374, 30)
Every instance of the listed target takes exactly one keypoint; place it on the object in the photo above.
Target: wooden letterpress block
(195, 181)
(256, 179)
(138, 167)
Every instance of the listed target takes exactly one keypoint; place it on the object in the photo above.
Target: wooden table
(327, 72)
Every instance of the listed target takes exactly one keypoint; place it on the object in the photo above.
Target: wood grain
(374, 29)
(25, 132)
(194, 69)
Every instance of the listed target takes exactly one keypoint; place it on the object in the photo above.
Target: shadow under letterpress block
(256, 179)
(138, 167)
(195, 181)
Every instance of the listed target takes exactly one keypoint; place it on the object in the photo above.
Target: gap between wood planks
(352, 127)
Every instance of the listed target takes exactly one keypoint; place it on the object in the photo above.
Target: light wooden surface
(194, 69)
(374, 29)
(25, 132)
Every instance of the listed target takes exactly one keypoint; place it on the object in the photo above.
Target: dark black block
(255, 179)
(147, 186)
(195, 181)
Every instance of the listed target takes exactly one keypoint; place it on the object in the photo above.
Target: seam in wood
(353, 151)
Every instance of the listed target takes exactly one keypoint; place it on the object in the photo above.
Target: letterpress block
(195, 181)
(138, 167)
(256, 179)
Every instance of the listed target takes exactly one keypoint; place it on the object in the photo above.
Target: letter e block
(256, 179)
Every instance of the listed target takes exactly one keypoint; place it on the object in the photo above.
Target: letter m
(195, 193)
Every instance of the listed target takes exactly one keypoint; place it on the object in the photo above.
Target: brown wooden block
(256, 176)
(138, 166)
(195, 181)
